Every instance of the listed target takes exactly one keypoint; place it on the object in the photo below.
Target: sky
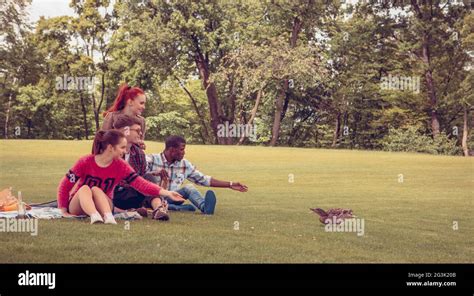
(48, 8)
(52, 8)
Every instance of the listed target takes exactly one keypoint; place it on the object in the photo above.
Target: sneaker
(161, 214)
(143, 212)
(109, 219)
(96, 218)
(209, 202)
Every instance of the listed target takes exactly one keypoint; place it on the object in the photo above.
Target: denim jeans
(190, 193)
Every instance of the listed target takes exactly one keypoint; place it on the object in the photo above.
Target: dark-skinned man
(172, 170)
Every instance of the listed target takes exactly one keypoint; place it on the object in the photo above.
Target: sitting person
(126, 197)
(97, 174)
(170, 166)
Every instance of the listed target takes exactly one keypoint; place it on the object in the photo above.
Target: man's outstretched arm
(229, 184)
(204, 180)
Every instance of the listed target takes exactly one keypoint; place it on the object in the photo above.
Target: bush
(411, 140)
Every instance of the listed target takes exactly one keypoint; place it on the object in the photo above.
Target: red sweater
(87, 172)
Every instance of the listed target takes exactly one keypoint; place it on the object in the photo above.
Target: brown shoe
(161, 214)
(143, 212)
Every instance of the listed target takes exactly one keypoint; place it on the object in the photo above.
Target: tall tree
(93, 29)
(193, 37)
(293, 18)
(13, 33)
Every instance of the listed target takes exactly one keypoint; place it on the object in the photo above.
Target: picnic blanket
(132, 215)
(49, 213)
(37, 213)
(46, 210)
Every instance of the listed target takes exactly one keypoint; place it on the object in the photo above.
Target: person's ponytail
(125, 93)
(103, 139)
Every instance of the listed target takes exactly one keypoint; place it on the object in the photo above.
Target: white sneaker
(96, 218)
(109, 219)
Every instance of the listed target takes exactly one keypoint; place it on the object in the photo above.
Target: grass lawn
(408, 222)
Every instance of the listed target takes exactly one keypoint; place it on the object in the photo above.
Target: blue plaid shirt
(178, 171)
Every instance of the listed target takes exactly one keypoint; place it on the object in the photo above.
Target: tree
(467, 33)
(292, 17)
(92, 30)
(192, 37)
(426, 32)
(13, 33)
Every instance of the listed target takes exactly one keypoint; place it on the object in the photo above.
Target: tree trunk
(96, 113)
(231, 110)
(201, 118)
(285, 106)
(9, 106)
(426, 57)
(353, 134)
(98, 106)
(84, 114)
(278, 113)
(337, 128)
(316, 137)
(253, 113)
(203, 139)
(433, 103)
(102, 92)
(297, 24)
(29, 125)
(212, 98)
(465, 131)
(7, 114)
(345, 124)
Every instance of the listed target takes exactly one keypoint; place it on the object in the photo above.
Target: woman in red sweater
(97, 174)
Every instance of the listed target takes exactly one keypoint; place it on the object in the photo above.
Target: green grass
(404, 222)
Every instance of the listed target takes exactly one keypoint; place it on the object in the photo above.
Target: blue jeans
(190, 193)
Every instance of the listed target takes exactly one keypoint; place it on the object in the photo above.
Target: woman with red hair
(130, 101)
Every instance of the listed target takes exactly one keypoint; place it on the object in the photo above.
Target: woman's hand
(66, 214)
(174, 196)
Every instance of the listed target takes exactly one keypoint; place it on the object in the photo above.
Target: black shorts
(129, 198)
